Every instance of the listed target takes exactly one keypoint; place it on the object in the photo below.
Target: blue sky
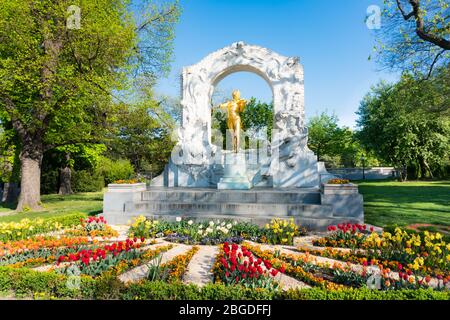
(330, 37)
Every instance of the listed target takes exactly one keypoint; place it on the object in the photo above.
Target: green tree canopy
(399, 123)
(57, 83)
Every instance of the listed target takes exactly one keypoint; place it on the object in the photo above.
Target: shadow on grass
(94, 212)
(407, 194)
(406, 208)
(11, 206)
(53, 198)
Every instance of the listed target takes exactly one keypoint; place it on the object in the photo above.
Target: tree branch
(436, 58)
(420, 28)
(402, 11)
(157, 17)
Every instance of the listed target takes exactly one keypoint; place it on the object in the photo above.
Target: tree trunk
(65, 186)
(425, 168)
(404, 173)
(30, 184)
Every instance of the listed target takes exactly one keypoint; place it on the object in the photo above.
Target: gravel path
(141, 272)
(199, 269)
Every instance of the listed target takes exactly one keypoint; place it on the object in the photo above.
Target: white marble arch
(292, 163)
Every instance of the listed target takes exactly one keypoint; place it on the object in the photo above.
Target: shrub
(87, 181)
(107, 286)
(49, 181)
(113, 170)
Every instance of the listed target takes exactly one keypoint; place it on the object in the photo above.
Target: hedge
(24, 281)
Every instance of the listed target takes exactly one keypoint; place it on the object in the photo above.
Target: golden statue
(234, 108)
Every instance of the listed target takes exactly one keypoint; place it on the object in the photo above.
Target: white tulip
(211, 223)
(190, 222)
(178, 219)
(229, 226)
(200, 232)
(200, 226)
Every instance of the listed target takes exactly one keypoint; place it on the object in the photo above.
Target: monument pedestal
(235, 173)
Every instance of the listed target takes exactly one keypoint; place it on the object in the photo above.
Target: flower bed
(338, 181)
(95, 261)
(215, 231)
(26, 228)
(92, 227)
(345, 235)
(178, 265)
(235, 265)
(405, 262)
(337, 276)
(34, 252)
(427, 255)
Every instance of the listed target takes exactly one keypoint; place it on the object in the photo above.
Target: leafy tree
(396, 123)
(324, 135)
(59, 163)
(414, 35)
(9, 163)
(57, 83)
(143, 136)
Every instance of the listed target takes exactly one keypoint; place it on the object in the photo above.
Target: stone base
(309, 207)
(235, 173)
(234, 183)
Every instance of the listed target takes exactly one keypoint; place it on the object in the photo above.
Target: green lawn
(404, 203)
(89, 203)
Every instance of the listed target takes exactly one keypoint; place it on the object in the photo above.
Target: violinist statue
(234, 108)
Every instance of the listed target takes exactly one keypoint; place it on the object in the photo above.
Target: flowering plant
(126, 181)
(236, 265)
(338, 181)
(92, 227)
(281, 231)
(95, 261)
(174, 269)
(94, 223)
(26, 228)
(424, 255)
(345, 235)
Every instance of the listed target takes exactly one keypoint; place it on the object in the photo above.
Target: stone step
(238, 209)
(308, 196)
(199, 269)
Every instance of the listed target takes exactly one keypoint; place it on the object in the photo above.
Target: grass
(54, 205)
(404, 203)
(385, 203)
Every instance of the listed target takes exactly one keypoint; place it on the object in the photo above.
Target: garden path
(199, 269)
(141, 272)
